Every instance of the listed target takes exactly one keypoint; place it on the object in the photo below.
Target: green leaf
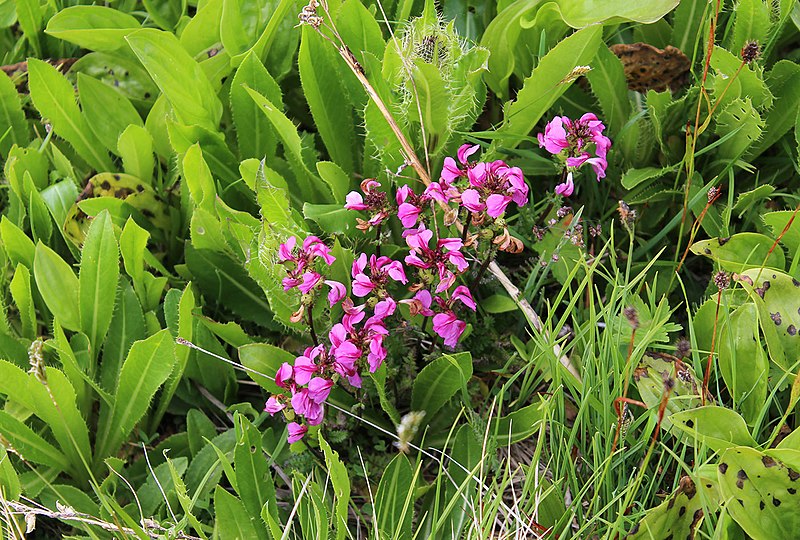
(171, 68)
(54, 97)
(761, 492)
(12, 119)
(379, 378)
(307, 182)
(541, 90)
(332, 218)
(30, 445)
(335, 177)
(499, 303)
(716, 427)
(147, 366)
(9, 480)
(743, 362)
(677, 517)
(779, 221)
(780, 297)
(20, 288)
(340, 481)
(97, 282)
(433, 99)
(264, 358)
(784, 83)
(334, 118)
(752, 23)
(741, 116)
(253, 478)
(609, 85)
(581, 13)
(225, 281)
(19, 248)
(98, 99)
(741, 251)
(135, 147)
(232, 519)
(96, 28)
(58, 286)
(127, 327)
(29, 15)
(394, 498)
(439, 381)
(520, 424)
(254, 131)
(198, 178)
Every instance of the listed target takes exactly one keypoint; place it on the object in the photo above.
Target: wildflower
(296, 432)
(420, 304)
(318, 389)
(449, 327)
(447, 252)
(373, 200)
(274, 405)
(492, 187)
(573, 139)
(300, 261)
(410, 206)
(337, 292)
(305, 365)
(381, 269)
(284, 374)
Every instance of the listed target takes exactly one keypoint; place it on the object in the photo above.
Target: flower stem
(466, 227)
(311, 325)
(482, 269)
(378, 240)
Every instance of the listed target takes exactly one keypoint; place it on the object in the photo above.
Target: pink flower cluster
(355, 344)
(576, 138)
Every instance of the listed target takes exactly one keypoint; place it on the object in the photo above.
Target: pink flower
(599, 164)
(381, 270)
(465, 151)
(554, 138)
(471, 200)
(567, 187)
(319, 389)
(420, 303)
(462, 294)
(310, 280)
(284, 374)
(449, 327)
(352, 314)
(355, 201)
(296, 432)
(273, 405)
(305, 366)
(285, 250)
(450, 170)
(377, 354)
(337, 292)
(496, 204)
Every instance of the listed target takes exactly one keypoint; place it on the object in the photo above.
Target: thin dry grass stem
(294, 508)
(412, 159)
(712, 198)
(66, 513)
(783, 232)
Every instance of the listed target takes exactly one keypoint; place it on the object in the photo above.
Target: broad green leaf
(499, 303)
(394, 498)
(741, 116)
(761, 493)
(97, 282)
(779, 222)
(9, 480)
(335, 177)
(341, 487)
(332, 218)
(779, 294)
(263, 358)
(21, 292)
(752, 23)
(716, 427)
(334, 118)
(545, 86)
(581, 13)
(30, 445)
(54, 97)
(59, 198)
(96, 28)
(520, 424)
(29, 15)
(253, 477)
(686, 25)
(12, 119)
(433, 98)
(135, 147)
(677, 517)
(171, 68)
(254, 131)
(741, 251)
(121, 71)
(58, 286)
(308, 183)
(146, 367)
(19, 248)
(609, 85)
(747, 84)
(359, 29)
(97, 100)
(225, 281)
(231, 517)
(439, 381)
(743, 362)
(198, 178)
(784, 83)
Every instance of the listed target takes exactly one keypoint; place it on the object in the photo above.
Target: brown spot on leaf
(776, 317)
(723, 468)
(741, 477)
(791, 330)
(793, 474)
(722, 241)
(776, 502)
(768, 461)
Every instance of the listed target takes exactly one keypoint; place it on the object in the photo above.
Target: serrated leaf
(54, 97)
(12, 119)
(254, 131)
(341, 487)
(97, 100)
(58, 286)
(739, 116)
(97, 28)
(97, 281)
(232, 520)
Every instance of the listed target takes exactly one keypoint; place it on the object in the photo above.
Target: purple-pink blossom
(296, 432)
(576, 140)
